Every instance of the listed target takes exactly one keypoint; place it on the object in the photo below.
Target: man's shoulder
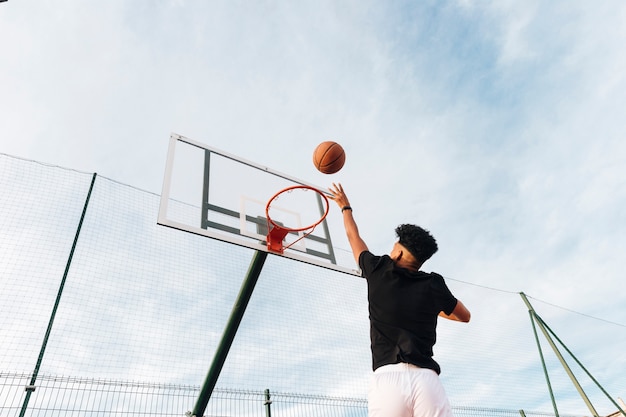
(436, 278)
(369, 262)
(434, 275)
(424, 276)
(366, 254)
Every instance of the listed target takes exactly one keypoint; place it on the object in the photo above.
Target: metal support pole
(247, 287)
(30, 388)
(268, 404)
(620, 409)
(559, 356)
(543, 364)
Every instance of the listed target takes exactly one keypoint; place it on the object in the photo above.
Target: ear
(399, 254)
(396, 252)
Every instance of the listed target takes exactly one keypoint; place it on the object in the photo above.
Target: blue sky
(498, 125)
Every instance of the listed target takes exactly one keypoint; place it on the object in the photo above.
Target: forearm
(357, 245)
(451, 316)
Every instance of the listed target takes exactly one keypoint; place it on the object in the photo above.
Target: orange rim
(294, 187)
(277, 233)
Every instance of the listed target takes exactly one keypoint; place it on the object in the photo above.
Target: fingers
(338, 195)
(336, 191)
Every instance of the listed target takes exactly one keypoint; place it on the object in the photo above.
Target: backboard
(215, 194)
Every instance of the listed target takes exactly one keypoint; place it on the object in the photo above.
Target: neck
(411, 266)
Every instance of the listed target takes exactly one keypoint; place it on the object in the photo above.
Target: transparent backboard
(211, 193)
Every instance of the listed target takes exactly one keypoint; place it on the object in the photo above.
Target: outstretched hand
(338, 195)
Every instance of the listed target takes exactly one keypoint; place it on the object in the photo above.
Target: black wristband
(346, 208)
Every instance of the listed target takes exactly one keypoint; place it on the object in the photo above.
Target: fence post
(268, 404)
(30, 388)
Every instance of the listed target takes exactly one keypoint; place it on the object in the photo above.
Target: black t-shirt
(403, 309)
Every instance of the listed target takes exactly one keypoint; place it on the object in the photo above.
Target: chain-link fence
(105, 313)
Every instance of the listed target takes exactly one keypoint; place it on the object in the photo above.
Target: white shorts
(403, 390)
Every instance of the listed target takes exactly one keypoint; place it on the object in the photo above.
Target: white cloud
(497, 125)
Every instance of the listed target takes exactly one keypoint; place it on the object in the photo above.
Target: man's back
(403, 307)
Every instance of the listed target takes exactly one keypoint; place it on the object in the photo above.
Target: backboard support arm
(239, 308)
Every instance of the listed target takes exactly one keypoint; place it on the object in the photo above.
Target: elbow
(461, 312)
(466, 317)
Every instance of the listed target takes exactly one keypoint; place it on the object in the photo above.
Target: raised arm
(352, 231)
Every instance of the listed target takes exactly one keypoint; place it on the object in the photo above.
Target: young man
(404, 304)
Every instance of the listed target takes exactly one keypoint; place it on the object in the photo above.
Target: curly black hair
(417, 240)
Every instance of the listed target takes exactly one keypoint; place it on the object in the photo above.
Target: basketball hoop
(277, 232)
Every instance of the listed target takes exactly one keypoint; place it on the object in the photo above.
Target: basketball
(329, 157)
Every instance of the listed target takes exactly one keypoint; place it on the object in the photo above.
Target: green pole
(560, 357)
(543, 364)
(247, 287)
(268, 404)
(583, 368)
(31, 387)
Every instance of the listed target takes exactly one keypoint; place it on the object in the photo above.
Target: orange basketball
(329, 157)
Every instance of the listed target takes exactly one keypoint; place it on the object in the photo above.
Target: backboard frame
(232, 235)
